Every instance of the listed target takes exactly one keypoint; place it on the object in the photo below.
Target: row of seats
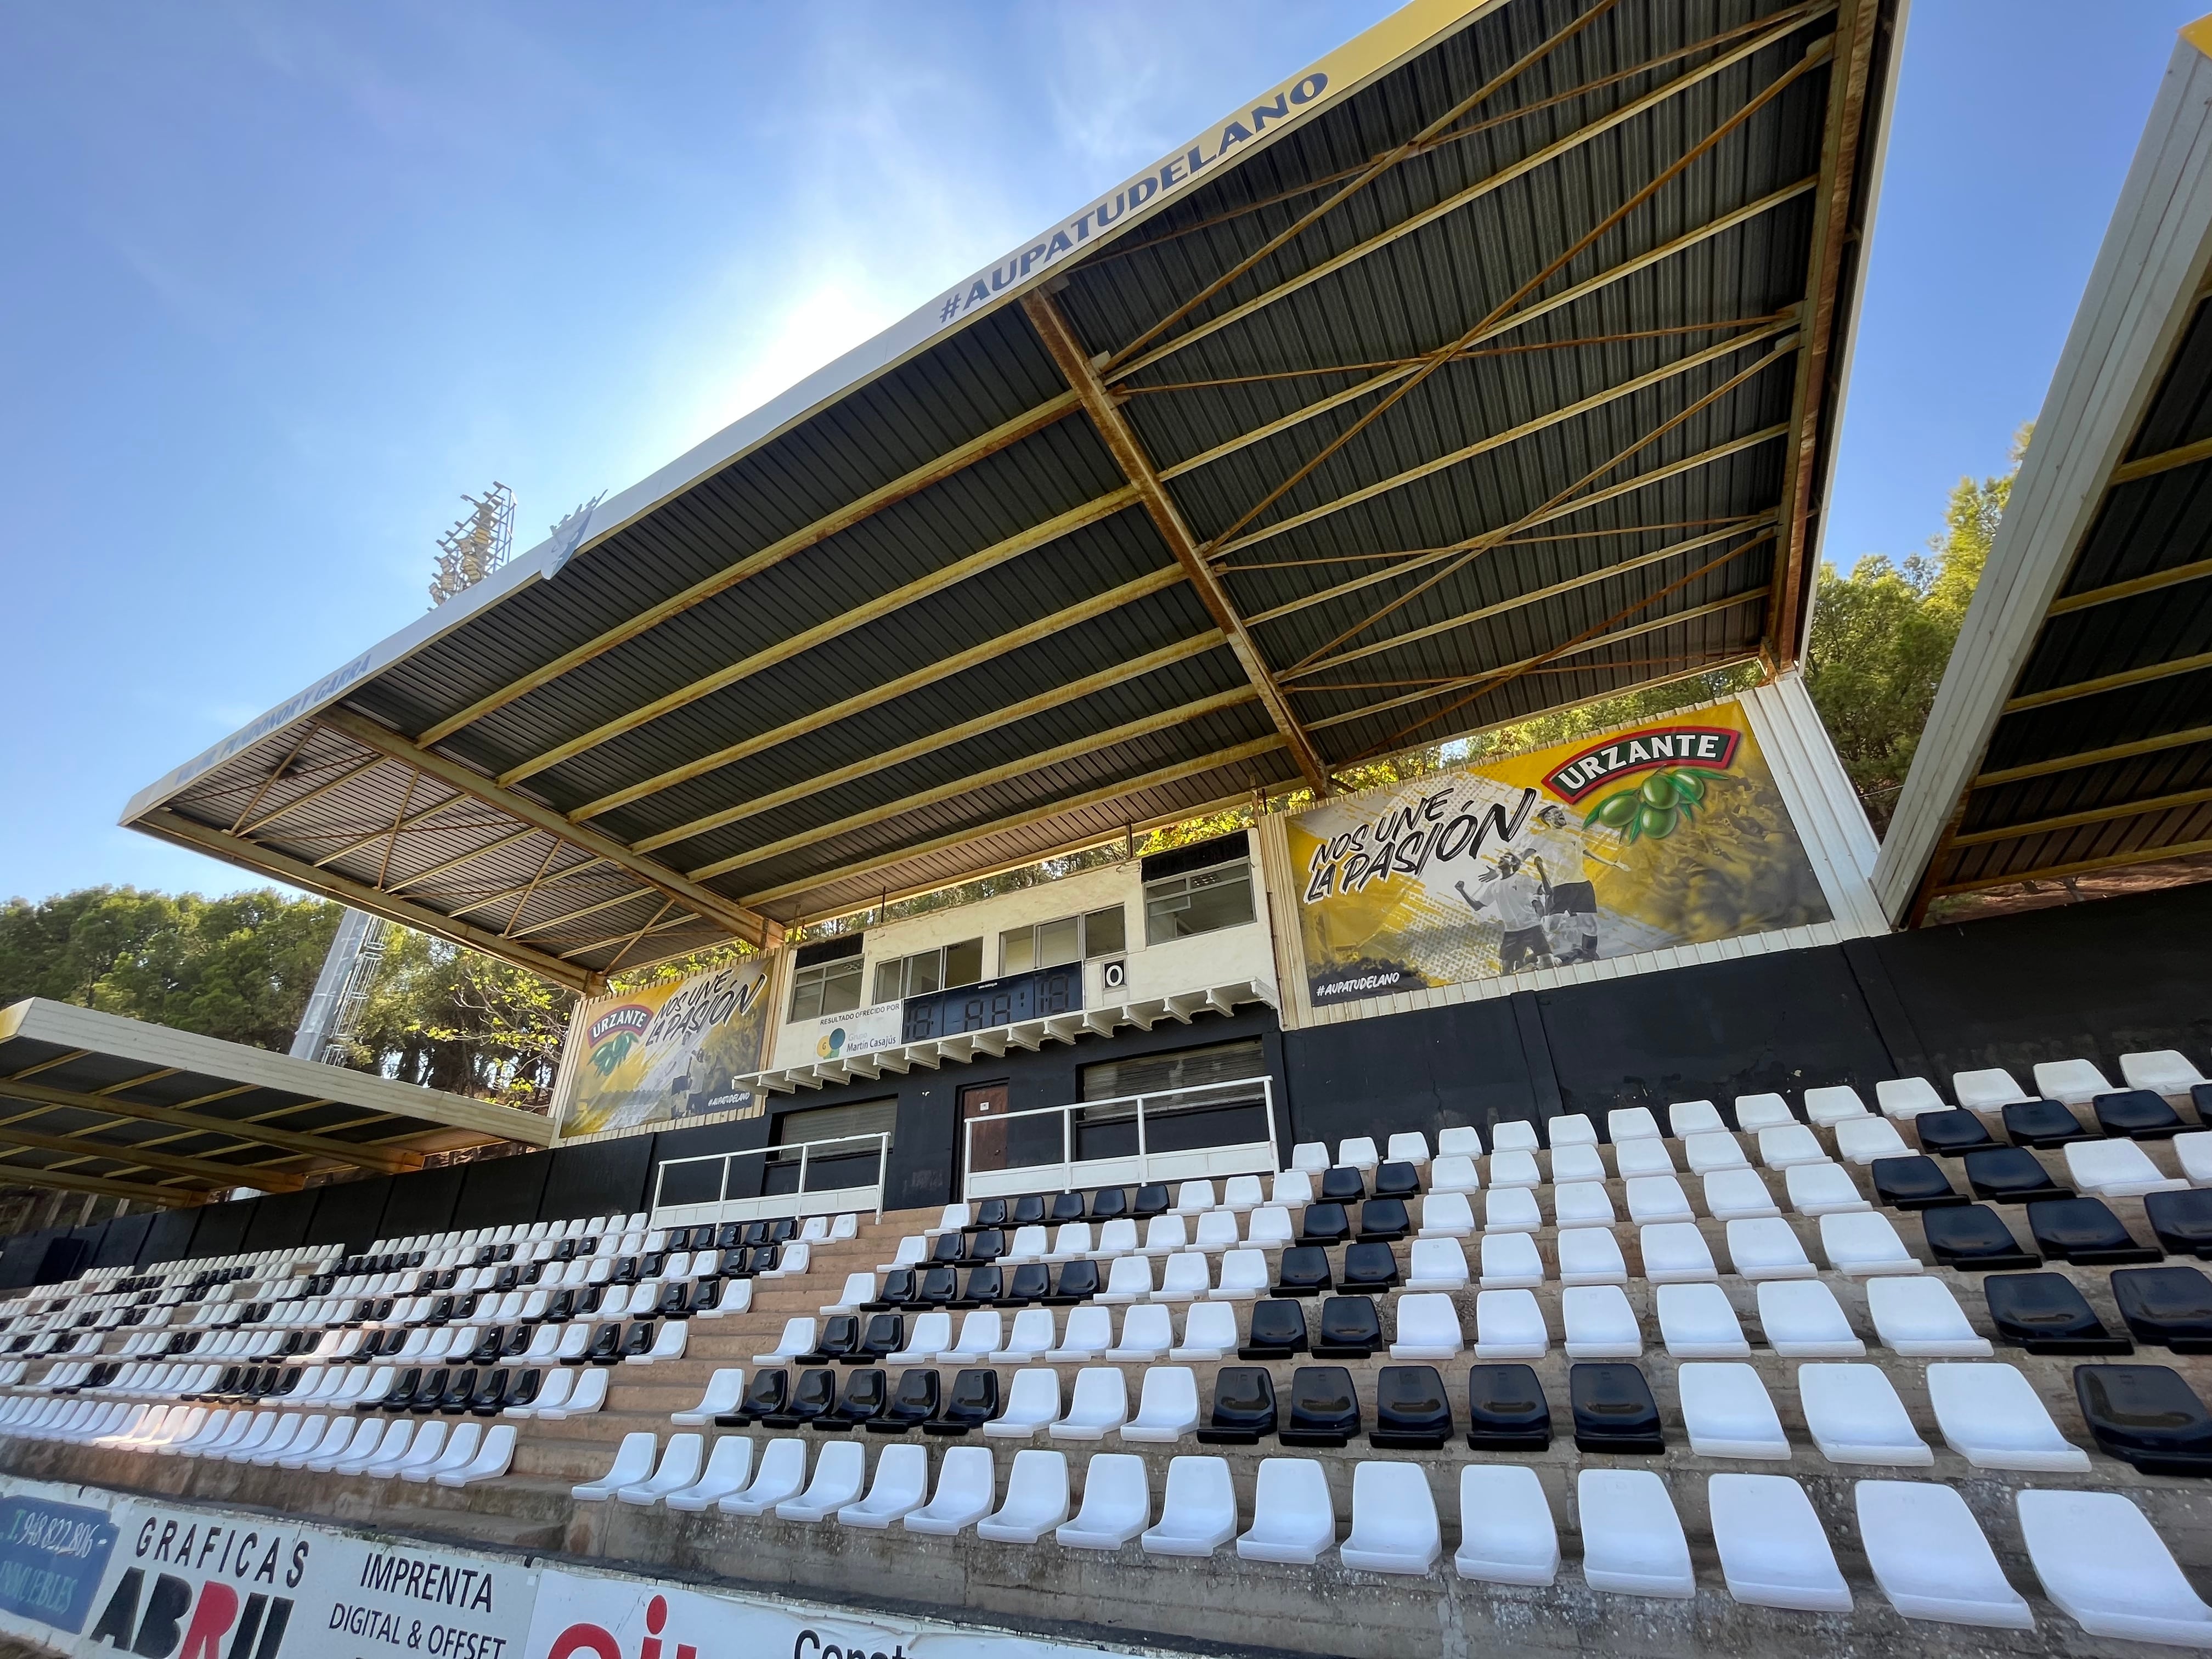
(2097, 1556)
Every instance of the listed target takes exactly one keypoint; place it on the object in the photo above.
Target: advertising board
(669, 1052)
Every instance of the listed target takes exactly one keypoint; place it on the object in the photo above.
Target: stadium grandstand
(1562, 1199)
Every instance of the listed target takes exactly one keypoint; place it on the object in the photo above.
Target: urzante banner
(669, 1052)
(1670, 834)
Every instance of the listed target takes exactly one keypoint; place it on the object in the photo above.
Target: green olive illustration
(1656, 821)
(1688, 785)
(1617, 810)
(1658, 792)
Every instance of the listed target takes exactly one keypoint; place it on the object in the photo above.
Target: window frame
(1182, 885)
(1086, 951)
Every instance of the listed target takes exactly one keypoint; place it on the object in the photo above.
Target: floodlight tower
(480, 541)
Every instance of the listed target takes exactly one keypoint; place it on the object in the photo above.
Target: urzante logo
(1708, 747)
(584, 1641)
(632, 1017)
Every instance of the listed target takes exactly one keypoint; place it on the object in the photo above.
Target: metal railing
(769, 1206)
(1146, 1164)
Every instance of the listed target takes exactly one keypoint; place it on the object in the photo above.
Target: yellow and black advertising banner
(1670, 834)
(669, 1052)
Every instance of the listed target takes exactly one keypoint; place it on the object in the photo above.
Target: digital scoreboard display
(995, 1002)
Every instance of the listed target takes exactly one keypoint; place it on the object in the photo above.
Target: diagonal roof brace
(389, 1159)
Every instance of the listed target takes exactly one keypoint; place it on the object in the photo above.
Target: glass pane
(806, 993)
(963, 963)
(1059, 942)
(887, 982)
(921, 974)
(1016, 955)
(1102, 932)
(841, 986)
(1199, 903)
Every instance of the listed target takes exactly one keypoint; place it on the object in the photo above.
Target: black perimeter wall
(2094, 981)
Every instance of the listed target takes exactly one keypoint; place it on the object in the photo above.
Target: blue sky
(285, 281)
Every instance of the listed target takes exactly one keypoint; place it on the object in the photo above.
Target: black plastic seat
(2045, 1313)
(1397, 1181)
(2146, 1415)
(1613, 1409)
(934, 1288)
(1340, 1185)
(1974, 1238)
(990, 1213)
(1411, 1409)
(730, 1235)
(1067, 1207)
(863, 1399)
(839, 1340)
(459, 1391)
(625, 1272)
(1506, 1409)
(2044, 1123)
(736, 1264)
(1107, 1204)
(488, 1345)
(756, 1232)
(705, 1294)
(1917, 1182)
(1026, 1211)
(2086, 1232)
(814, 1394)
(885, 1334)
(1078, 1281)
(638, 1340)
(1150, 1201)
(985, 1288)
(1384, 1219)
(605, 1347)
(911, 1404)
(2166, 1307)
(782, 1230)
(766, 1257)
(1324, 1224)
(1303, 1271)
(950, 1251)
(897, 1291)
(2138, 1114)
(1277, 1331)
(1324, 1408)
(524, 1386)
(2182, 1222)
(1350, 1328)
(973, 1402)
(426, 1399)
(1951, 1134)
(766, 1393)
(1370, 1267)
(674, 1301)
(2011, 1175)
(397, 1398)
(988, 1245)
(1244, 1406)
(1031, 1282)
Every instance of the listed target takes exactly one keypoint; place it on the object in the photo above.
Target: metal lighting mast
(479, 543)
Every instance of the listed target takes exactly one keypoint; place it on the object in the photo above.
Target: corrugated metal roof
(947, 618)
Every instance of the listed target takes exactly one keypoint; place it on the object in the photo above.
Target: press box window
(1056, 944)
(930, 970)
(1177, 907)
(826, 979)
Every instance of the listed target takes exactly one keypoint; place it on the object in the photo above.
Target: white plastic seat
(1635, 1159)
(1147, 1332)
(680, 1460)
(1167, 1407)
(982, 1332)
(1166, 1234)
(1293, 1517)
(1863, 1139)
(1991, 1416)
(1209, 1332)
(815, 1229)
(1291, 1189)
(2117, 1168)
(2108, 1570)
(1674, 1252)
(1407, 1147)
(1509, 1325)
(1902, 1099)
(1686, 1118)
(1428, 1327)
(493, 1459)
(929, 1335)
(1577, 1163)
(1216, 1231)
(1653, 1198)
(1459, 1141)
(1098, 1405)
(586, 1398)
(462, 1444)
(2070, 1082)
(954, 1218)
(1453, 1172)
(2162, 1071)
(780, 1473)
(1989, 1090)
(1854, 1416)
(667, 1344)
(1439, 1264)
(1446, 1215)
(1269, 1227)
(1920, 1316)
(1511, 1210)
(1357, 1152)
(1738, 1195)
(2195, 1152)
(1582, 1204)
(1118, 1238)
(1242, 1193)
(1028, 1243)
(1088, 1333)
(1195, 1198)
(1599, 1323)
(1697, 1321)
(1803, 1320)
(1514, 1167)
(1756, 1112)
(1507, 1536)
(1243, 1276)
(1511, 1261)
(552, 1394)
(1197, 1513)
(1130, 1279)
(1633, 1539)
(1789, 1143)
(1712, 1150)
(1028, 1341)
(1929, 1558)
(1862, 1244)
(966, 1481)
(1035, 1501)
(1727, 1413)
(840, 1475)
(1309, 1157)
(729, 1466)
(1186, 1276)
(1071, 1244)
(901, 1486)
(1117, 1504)
(1631, 1123)
(912, 1250)
(1590, 1256)
(1830, 1106)
(1032, 1403)
(1818, 1189)
(633, 1463)
(797, 1338)
(1766, 1247)
(1393, 1521)
(1773, 1549)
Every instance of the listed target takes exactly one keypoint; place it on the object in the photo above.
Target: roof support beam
(197, 1169)
(2152, 670)
(169, 1198)
(713, 906)
(1121, 442)
(2196, 570)
(2083, 867)
(1002, 436)
(175, 827)
(2131, 808)
(2166, 461)
(2092, 757)
(385, 1160)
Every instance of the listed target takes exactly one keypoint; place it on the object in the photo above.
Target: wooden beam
(200, 1169)
(1002, 436)
(2194, 571)
(747, 924)
(2166, 461)
(169, 1198)
(783, 650)
(329, 884)
(2155, 671)
(2083, 867)
(2092, 757)
(2075, 820)
(1128, 453)
(386, 1161)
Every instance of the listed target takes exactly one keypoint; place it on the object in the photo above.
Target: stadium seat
(1803, 1320)
(1855, 1416)
(1209, 1332)
(2182, 1222)
(929, 1336)
(1243, 1276)
(1697, 1321)
(1243, 1407)
(1304, 1270)
(1653, 1199)
(1634, 1158)
(965, 1483)
(1974, 1238)
(1714, 1150)
(1117, 1504)
(1216, 1231)
(2162, 1070)
(1590, 1256)
(900, 1487)
(1165, 1235)
(1582, 1204)
(1755, 1114)
(2041, 1123)
(1613, 1410)
(1738, 1194)
(1428, 1327)
(1507, 1536)
(1399, 1181)
(1341, 1185)
(729, 1468)
(2010, 1174)
(1324, 1408)
(1987, 1091)
(1278, 1330)
(1324, 1224)
(1509, 1325)
(1767, 1248)
(633, 1462)
(1514, 1167)
(1438, 1264)
(1930, 1557)
(1859, 1245)
(1195, 1197)
(973, 1403)
(2117, 1168)
(680, 1461)
(1861, 1140)
(1512, 1136)
(1459, 1141)
(1727, 1412)
(1370, 1267)
(1293, 1519)
(780, 1475)
(2146, 1415)
(1035, 1501)
(1167, 1407)
(813, 1392)
(2044, 1313)
(1198, 1512)
(1269, 1227)
(1032, 1403)
(1952, 1133)
(1078, 1282)
(1147, 1334)
(1674, 1252)
(1028, 1341)
(1633, 1539)
(1511, 1261)
(1349, 1328)
(1071, 1242)
(1916, 1181)
(1818, 1189)
(1453, 1172)
(1186, 1276)
(2167, 1307)
(1393, 1521)
(1292, 1190)
(1827, 1107)
(798, 1339)
(2138, 1115)
(913, 1403)
(2075, 1082)
(1990, 1414)
(1919, 1316)
(1773, 1549)
(1098, 1405)
(1511, 1210)
(1686, 1118)
(2106, 1569)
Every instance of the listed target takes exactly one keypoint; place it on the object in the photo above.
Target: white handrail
(882, 1142)
(1150, 1103)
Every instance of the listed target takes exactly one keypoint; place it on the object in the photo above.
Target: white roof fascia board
(2139, 296)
